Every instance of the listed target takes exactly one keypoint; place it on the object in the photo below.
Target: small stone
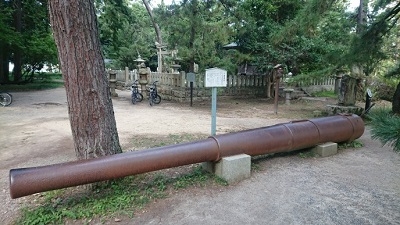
(117, 220)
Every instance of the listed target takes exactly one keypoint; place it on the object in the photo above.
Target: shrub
(384, 90)
(386, 127)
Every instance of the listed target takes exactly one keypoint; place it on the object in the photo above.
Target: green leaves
(386, 127)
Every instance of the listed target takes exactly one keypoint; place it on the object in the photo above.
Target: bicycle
(136, 96)
(5, 98)
(154, 98)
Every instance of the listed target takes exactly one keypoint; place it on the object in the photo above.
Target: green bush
(385, 127)
(384, 89)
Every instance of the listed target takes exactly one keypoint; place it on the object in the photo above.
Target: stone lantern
(175, 61)
(143, 78)
(288, 90)
(139, 61)
(142, 71)
(113, 83)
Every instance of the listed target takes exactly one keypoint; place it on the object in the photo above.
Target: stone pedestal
(143, 79)
(288, 92)
(326, 149)
(127, 78)
(113, 83)
(338, 80)
(232, 169)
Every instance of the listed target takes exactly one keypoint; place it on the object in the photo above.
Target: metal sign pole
(191, 78)
(214, 111)
(191, 94)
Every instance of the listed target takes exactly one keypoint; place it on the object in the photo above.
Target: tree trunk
(396, 101)
(153, 21)
(90, 107)
(362, 16)
(4, 66)
(194, 22)
(17, 71)
(159, 43)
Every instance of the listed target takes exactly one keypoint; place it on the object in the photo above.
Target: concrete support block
(326, 149)
(232, 169)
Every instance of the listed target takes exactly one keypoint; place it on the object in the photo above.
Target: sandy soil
(357, 186)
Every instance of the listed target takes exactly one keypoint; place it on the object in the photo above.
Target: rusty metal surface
(278, 138)
(28, 181)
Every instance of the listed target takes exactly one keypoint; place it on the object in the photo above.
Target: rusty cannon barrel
(283, 137)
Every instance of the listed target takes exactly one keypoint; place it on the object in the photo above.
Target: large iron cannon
(283, 137)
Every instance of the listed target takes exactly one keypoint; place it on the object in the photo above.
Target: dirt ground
(356, 186)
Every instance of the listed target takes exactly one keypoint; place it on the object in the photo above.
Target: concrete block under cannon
(283, 137)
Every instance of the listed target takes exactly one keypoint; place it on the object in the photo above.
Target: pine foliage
(386, 128)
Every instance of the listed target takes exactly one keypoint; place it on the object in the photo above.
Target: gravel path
(356, 186)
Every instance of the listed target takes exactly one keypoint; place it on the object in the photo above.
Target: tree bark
(153, 21)
(362, 16)
(17, 71)
(396, 101)
(90, 107)
(4, 66)
(192, 37)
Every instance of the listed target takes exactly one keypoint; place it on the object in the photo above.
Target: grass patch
(351, 144)
(44, 81)
(307, 154)
(327, 94)
(110, 199)
(144, 141)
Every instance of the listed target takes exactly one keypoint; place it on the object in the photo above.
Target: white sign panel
(215, 77)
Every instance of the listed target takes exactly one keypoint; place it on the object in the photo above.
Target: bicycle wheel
(5, 99)
(151, 100)
(139, 97)
(134, 98)
(157, 99)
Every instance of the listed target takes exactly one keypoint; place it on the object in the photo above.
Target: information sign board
(215, 77)
(191, 77)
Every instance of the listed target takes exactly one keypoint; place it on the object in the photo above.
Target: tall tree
(125, 31)
(198, 29)
(17, 71)
(25, 38)
(7, 37)
(153, 21)
(90, 107)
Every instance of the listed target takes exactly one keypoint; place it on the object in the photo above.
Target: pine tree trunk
(90, 107)
(4, 67)
(153, 21)
(396, 101)
(17, 71)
